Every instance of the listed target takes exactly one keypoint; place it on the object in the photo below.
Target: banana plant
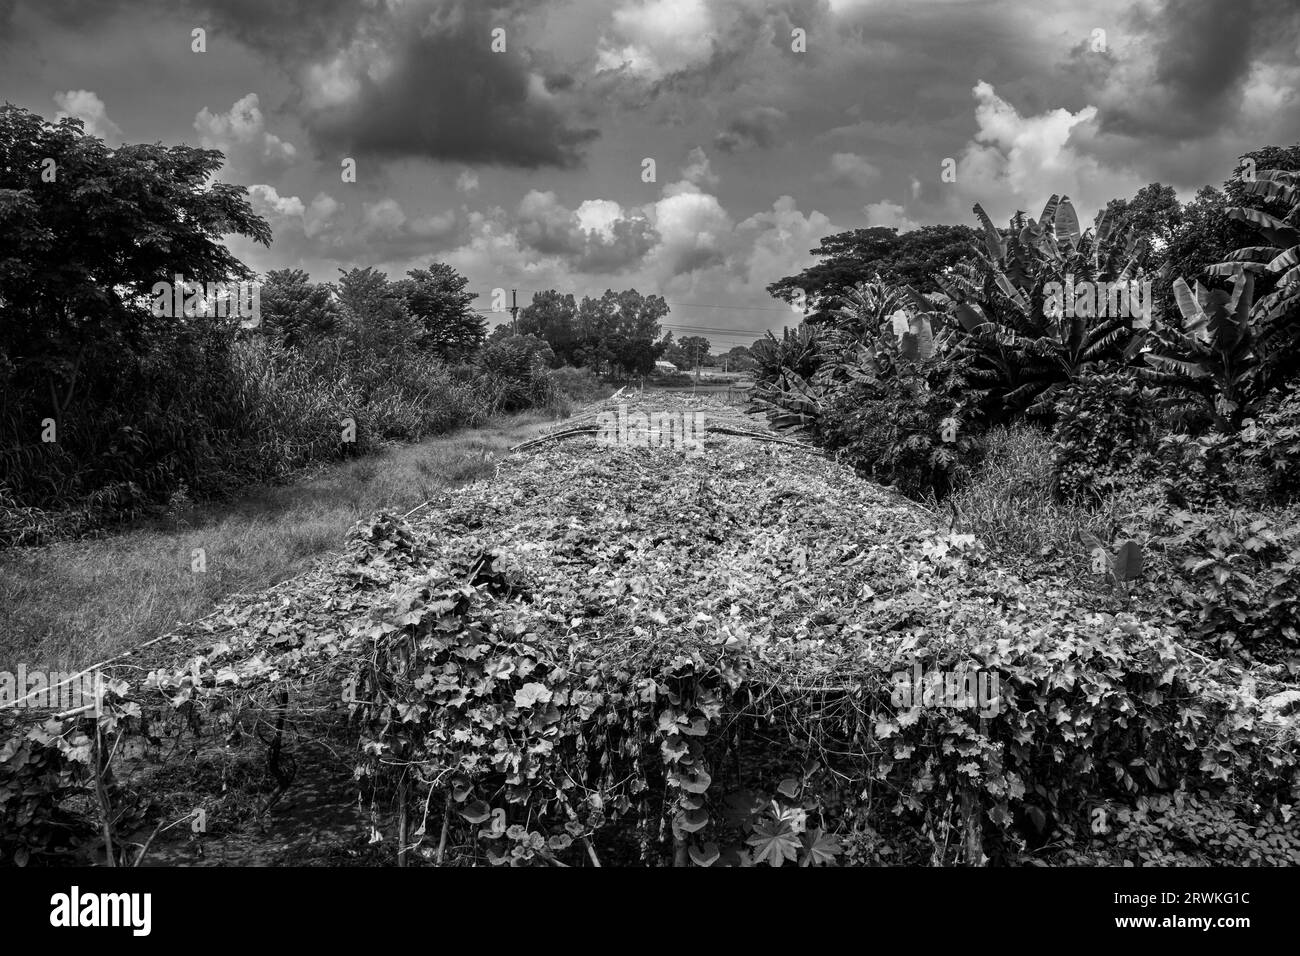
(1214, 355)
(1028, 350)
(1277, 314)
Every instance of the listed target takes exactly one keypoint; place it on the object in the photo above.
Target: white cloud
(655, 38)
(886, 213)
(1017, 162)
(241, 134)
(89, 108)
(266, 201)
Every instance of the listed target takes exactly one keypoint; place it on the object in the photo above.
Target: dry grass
(74, 603)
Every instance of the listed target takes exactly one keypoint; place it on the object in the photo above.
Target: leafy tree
(739, 359)
(85, 233)
(374, 317)
(1152, 215)
(553, 318)
(437, 298)
(620, 331)
(696, 350)
(296, 310)
(860, 254)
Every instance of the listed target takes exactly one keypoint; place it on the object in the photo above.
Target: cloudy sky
(526, 167)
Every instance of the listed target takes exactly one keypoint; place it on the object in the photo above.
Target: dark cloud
(420, 81)
(1204, 53)
(413, 81)
(752, 128)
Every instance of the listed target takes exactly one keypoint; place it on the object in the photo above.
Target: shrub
(1271, 443)
(906, 426)
(1103, 427)
(1236, 577)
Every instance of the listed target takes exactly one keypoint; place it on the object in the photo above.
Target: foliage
(860, 254)
(79, 255)
(1237, 581)
(519, 364)
(436, 297)
(295, 310)
(1009, 501)
(1271, 444)
(1025, 348)
(1103, 427)
(1196, 828)
(1208, 368)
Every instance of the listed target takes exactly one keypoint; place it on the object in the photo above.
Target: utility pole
(514, 312)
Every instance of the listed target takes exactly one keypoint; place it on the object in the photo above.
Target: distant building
(667, 368)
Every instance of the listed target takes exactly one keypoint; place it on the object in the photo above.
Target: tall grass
(1009, 504)
(72, 603)
(202, 414)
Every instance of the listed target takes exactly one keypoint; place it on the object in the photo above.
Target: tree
(861, 254)
(696, 349)
(296, 310)
(86, 232)
(373, 314)
(739, 359)
(620, 331)
(553, 318)
(437, 298)
(1151, 216)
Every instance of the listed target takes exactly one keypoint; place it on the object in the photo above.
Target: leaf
(788, 788)
(1194, 318)
(691, 820)
(1128, 561)
(992, 238)
(476, 812)
(696, 782)
(1067, 223)
(820, 849)
(530, 694)
(774, 842)
(706, 855)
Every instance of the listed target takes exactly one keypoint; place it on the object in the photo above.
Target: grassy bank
(74, 603)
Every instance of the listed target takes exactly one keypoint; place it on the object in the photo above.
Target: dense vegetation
(109, 410)
(558, 668)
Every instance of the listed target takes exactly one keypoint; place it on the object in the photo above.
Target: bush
(904, 427)
(1272, 444)
(1236, 577)
(1103, 428)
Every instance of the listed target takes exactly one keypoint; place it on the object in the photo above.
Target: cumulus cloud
(242, 135)
(598, 237)
(693, 229)
(89, 108)
(886, 213)
(651, 39)
(1016, 161)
